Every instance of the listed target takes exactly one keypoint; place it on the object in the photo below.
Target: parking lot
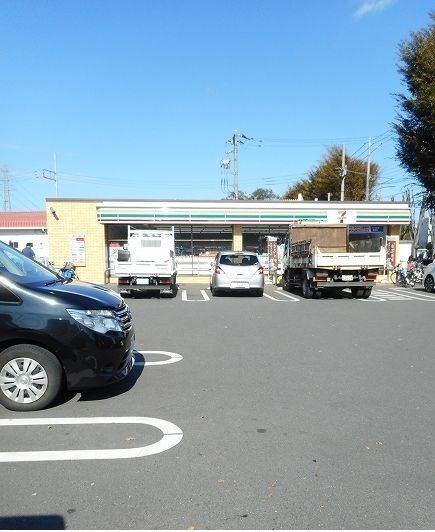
(241, 413)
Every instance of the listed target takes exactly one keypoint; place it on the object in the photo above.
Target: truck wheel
(307, 291)
(367, 293)
(30, 377)
(358, 293)
(174, 290)
(286, 284)
(174, 287)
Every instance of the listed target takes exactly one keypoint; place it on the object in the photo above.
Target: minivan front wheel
(30, 377)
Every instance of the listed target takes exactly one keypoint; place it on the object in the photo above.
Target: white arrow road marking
(174, 357)
(203, 293)
(171, 436)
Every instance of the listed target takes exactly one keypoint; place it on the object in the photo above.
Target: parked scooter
(68, 271)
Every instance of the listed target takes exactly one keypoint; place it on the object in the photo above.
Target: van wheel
(30, 377)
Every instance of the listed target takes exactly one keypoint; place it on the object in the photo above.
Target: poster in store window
(77, 250)
(392, 247)
(272, 249)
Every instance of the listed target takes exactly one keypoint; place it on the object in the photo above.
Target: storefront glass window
(366, 238)
(195, 246)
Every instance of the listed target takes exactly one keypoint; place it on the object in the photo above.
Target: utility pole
(51, 175)
(343, 172)
(6, 189)
(418, 228)
(368, 170)
(55, 173)
(235, 141)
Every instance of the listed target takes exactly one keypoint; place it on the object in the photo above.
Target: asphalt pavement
(242, 413)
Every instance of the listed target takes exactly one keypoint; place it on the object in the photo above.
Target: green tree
(416, 117)
(263, 194)
(258, 194)
(326, 178)
(232, 196)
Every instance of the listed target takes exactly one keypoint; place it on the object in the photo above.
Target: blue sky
(138, 98)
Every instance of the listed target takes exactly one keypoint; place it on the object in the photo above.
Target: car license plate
(142, 281)
(239, 285)
(347, 277)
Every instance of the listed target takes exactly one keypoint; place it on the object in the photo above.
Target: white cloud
(372, 6)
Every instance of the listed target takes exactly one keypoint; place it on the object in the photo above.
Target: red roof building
(23, 220)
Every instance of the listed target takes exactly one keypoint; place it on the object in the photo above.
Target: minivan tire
(429, 284)
(26, 361)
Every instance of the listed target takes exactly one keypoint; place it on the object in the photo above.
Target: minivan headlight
(100, 321)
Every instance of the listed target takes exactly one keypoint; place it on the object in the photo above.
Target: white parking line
(392, 297)
(395, 294)
(273, 298)
(203, 293)
(173, 357)
(171, 436)
(293, 298)
(372, 297)
(423, 297)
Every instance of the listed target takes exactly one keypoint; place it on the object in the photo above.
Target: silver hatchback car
(236, 270)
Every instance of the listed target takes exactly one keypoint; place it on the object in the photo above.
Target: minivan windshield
(22, 270)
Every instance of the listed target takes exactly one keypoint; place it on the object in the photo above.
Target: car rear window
(238, 259)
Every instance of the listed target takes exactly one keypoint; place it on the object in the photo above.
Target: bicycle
(399, 276)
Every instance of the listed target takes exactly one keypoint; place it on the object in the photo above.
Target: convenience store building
(90, 231)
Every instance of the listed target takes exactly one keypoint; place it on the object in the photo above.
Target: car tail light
(123, 280)
(218, 269)
(260, 270)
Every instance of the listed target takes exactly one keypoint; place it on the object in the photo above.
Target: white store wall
(38, 237)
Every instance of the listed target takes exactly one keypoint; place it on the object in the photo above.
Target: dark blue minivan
(57, 333)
